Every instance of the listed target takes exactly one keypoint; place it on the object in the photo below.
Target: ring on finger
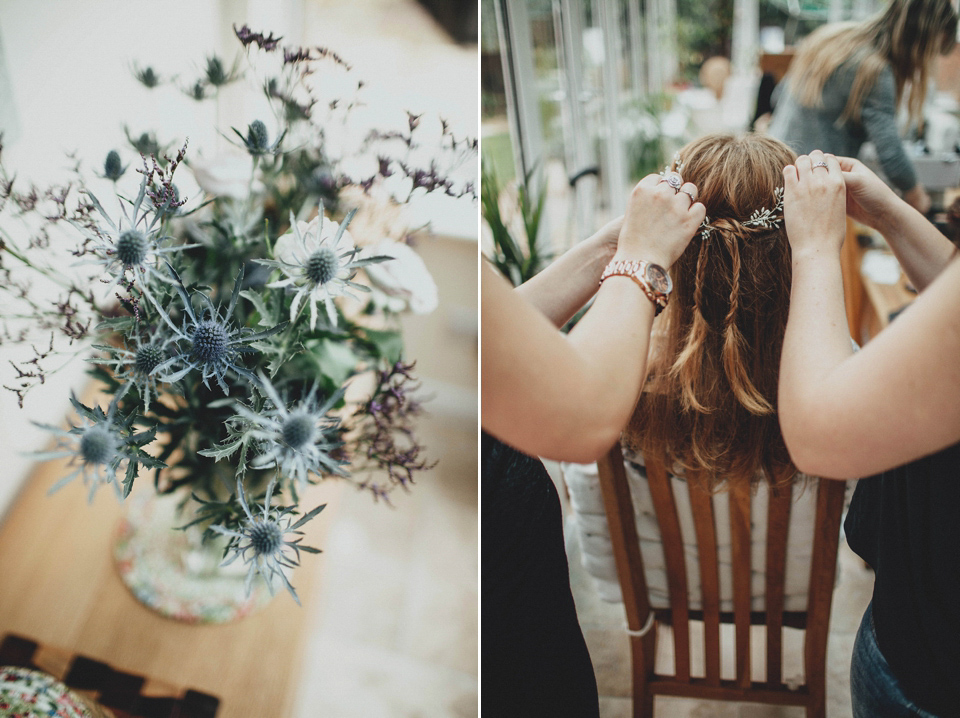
(820, 163)
(673, 179)
(691, 195)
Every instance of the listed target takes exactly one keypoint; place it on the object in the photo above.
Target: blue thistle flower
(132, 244)
(263, 541)
(146, 76)
(207, 340)
(257, 140)
(319, 260)
(296, 440)
(217, 75)
(135, 364)
(113, 168)
(101, 446)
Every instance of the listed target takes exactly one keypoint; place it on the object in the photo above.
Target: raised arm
(562, 288)
(878, 115)
(922, 249)
(846, 415)
(568, 397)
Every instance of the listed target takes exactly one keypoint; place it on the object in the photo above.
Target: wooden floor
(58, 586)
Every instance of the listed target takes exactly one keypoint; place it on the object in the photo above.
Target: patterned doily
(30, 694)
(170, 572)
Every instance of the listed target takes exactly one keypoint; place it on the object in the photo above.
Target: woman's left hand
(814, 204)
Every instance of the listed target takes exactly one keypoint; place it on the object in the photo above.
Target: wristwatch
(653, 279)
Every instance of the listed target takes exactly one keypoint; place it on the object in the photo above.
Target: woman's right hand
(660, 221)
(869, 199)
(814, 214)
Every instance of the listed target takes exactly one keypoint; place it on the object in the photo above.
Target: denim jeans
(874, 690)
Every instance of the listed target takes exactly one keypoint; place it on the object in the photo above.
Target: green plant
(516, 263)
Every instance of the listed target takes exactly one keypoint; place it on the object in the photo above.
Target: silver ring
(689, 194)
(673, 179)
(820, 163)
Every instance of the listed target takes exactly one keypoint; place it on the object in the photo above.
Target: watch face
(658, 279)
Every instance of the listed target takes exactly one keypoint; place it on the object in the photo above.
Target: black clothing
(906, 524)
(534, 661)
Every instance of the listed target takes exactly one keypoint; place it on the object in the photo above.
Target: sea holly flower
(257, 140)
(135, 364)
(265, 541)
(131, 244)
(113, 168)
(103, 445)
(319, 260)
(208, 340)
(217, 75)
(146, 76)
(296, 440)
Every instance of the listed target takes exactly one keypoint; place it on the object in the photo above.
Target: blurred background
(591, 95)
(389, 623)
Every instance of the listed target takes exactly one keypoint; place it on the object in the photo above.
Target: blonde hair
(709, 407)
(907, 36)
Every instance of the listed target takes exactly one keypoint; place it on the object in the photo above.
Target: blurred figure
(847, 81)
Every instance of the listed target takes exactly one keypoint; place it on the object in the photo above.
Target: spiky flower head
(299, 439)
(131, 245)
(257, 140)
(113, 168)
(208, 341)
(319, 260)
(267, 541)
(145, 143)
(146, 76)
(134, 363)
(217, 74)
(197, 91)
(102, 445)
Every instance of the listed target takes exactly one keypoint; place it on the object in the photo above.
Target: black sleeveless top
(534, 659)
(905, 523)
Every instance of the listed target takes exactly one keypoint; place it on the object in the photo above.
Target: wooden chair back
(642, 620)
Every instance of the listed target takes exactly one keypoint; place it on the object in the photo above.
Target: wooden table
(58, 586)
(882, 300)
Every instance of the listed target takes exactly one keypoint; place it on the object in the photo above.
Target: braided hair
(709, 406)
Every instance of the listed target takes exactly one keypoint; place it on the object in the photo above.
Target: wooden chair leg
(643, 652)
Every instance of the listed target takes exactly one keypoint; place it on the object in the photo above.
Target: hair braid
(695, 340)
(734, 364)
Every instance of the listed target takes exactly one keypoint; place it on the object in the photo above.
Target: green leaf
(308, 516)
(267, 318)
(389, 345)
(116, 324)
(335, 360)
(131, 475)
(221, 452)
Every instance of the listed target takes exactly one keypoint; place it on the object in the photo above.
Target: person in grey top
(847, 80)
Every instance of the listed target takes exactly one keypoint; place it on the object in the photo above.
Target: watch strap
(636, 269)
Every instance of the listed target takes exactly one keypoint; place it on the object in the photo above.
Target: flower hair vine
(766, 218)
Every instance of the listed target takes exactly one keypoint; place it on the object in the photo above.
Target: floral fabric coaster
(31, 694)
(168, 572)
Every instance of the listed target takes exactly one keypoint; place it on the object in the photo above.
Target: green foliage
(517, 262)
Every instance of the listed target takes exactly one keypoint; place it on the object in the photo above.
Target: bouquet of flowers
(228, 326)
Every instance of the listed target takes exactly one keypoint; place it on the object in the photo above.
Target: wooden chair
(642, 620)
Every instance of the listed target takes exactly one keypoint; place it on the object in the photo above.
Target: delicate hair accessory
(766, 218)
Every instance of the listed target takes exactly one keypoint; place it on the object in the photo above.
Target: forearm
(816, 342)
(561, 289)
(564, 398)
(922, 250)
